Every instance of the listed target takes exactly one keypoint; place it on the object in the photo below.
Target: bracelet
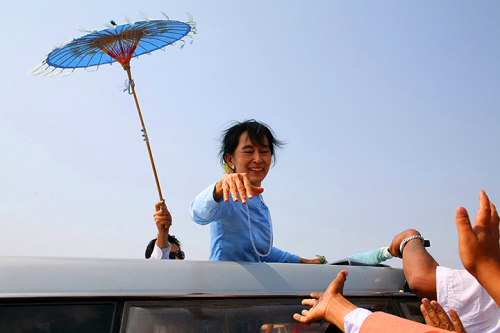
(406, 240)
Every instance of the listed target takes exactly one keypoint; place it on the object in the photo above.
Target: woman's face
(254, 160)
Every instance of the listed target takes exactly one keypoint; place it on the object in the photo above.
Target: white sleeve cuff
(160, 253)
(354, 319)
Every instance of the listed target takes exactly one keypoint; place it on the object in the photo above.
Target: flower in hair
(226, 169)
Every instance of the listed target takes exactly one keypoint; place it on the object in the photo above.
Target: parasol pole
(126, 67)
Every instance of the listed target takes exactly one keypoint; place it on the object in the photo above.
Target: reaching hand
(478, 246)
(163, 218)
(234, 184)
(435, 316)
(315, 261)
(330, 305)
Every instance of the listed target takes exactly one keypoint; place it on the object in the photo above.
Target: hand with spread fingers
(478, 246)
(435, 316)
(330, 305)
(234, 185)
(163, 220)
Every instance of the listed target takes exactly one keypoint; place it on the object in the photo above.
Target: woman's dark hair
(256, 132)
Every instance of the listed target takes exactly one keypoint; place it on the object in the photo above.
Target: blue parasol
(117, 44)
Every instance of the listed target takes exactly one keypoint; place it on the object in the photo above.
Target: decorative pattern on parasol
(117, 44)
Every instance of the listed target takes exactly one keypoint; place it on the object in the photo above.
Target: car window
(50, 318)
(252, 315)
(410, 309)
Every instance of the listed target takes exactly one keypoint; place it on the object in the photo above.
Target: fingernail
(461, 211)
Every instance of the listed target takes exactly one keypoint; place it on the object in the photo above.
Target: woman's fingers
(238, 186)
(248, 187)
(225, 189)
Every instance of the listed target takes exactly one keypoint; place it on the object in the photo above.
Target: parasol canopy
(118, 43)
(115, 44)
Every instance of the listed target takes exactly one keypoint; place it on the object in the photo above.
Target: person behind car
(165, 246)
(242, 231)
(479, 252)
(175, 252)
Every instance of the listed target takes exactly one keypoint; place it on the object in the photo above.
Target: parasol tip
(112, 23)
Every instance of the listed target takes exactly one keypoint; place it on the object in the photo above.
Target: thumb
(337, 285)
(257, 190)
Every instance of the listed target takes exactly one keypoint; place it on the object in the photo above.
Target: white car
(160, 296)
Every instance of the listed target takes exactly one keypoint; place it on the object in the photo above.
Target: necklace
(270, 231)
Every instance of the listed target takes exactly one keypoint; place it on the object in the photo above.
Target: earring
(232, 167)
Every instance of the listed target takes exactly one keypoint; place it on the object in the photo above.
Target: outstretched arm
(418, 264)
(330, 305)
(334, 308)
(478, 246)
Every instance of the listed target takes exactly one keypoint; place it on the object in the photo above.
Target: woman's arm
(204, 209)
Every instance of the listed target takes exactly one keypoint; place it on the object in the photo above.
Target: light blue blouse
(230, 235)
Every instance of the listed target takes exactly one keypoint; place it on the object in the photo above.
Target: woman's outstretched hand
(234, 185)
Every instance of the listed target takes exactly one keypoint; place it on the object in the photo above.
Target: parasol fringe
(144, 16)
(166, 16)
(48, 73)
(128, 20)
(85, 30)
(37, 69)
(191, 22)
(109, 26)
(53, 73)
(68, 73)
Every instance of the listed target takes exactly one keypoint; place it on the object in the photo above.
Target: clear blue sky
(390, 110)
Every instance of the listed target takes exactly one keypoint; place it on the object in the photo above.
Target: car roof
(23, 277)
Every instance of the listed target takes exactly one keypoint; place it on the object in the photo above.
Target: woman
(240, 221)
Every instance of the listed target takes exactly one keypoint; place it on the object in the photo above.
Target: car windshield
(254, 315)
